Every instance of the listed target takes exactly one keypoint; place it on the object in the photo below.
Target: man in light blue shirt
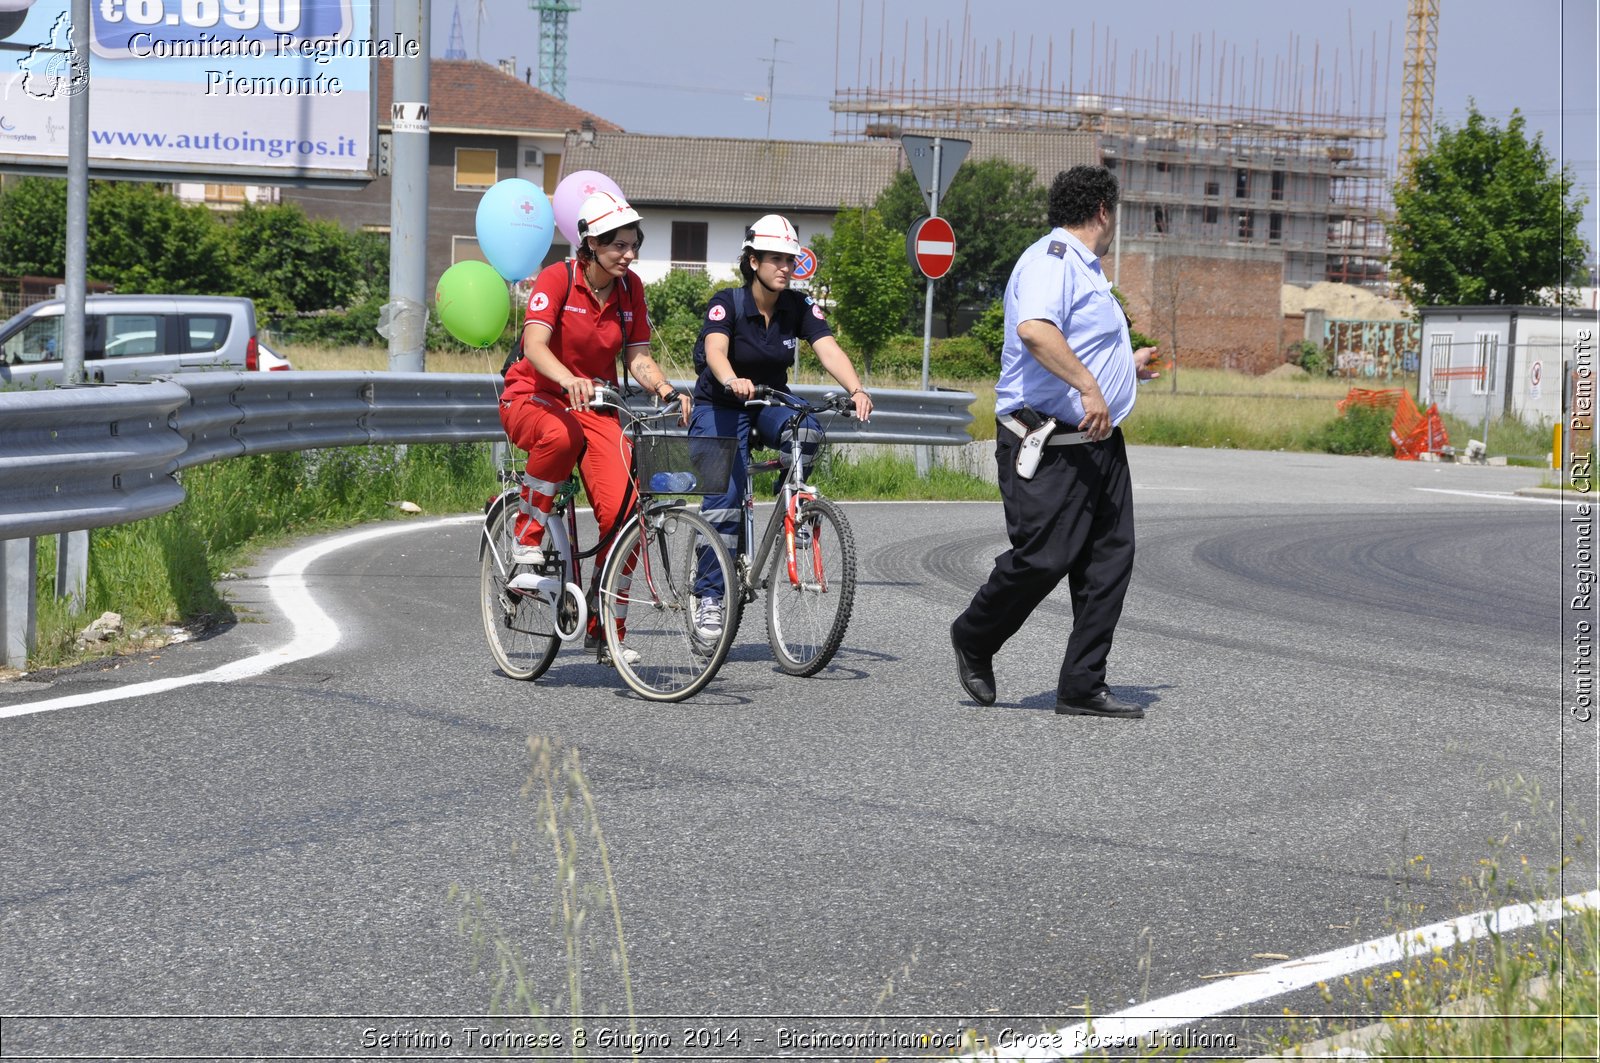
(1068, 374)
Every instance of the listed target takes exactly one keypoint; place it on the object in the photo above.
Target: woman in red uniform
(582, 315)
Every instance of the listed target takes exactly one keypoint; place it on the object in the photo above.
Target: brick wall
(1216, 306)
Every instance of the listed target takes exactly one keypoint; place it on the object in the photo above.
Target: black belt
(1058, 439)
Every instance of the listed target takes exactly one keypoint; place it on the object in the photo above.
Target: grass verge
(1530, 994)
(164, 570)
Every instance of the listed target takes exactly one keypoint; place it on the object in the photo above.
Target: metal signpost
(934, 161)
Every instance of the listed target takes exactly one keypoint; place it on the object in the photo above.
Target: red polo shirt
(586, 336)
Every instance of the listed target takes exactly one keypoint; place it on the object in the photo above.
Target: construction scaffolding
(1197, 158)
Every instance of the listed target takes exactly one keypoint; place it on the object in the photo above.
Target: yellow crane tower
(1416, 98)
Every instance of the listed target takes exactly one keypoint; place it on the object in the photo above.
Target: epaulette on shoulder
(1058, 248)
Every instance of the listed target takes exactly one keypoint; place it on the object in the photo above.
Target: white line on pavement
(1124, 1028)
(314, 631)
(1498, 498)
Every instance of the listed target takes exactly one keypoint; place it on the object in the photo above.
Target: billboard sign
(238, 90)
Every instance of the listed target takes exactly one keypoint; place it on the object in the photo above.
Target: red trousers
(555, 439)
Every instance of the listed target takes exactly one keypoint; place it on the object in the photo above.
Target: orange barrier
(1415, 433)
(1412, 432)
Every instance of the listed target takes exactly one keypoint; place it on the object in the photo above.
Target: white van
(135, 337)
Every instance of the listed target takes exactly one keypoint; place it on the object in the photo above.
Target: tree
(996, 208)
(141, 239)
(33, 228)
(1486, 219)
(677, 306)
(864, 269)
(286, 262)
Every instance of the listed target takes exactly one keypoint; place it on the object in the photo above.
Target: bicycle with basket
(805, 559)
(643, 591)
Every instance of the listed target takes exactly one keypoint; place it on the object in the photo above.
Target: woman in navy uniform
(749, 339)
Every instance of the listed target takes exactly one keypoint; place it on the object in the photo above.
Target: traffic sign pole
(924, 455)
(927, 313)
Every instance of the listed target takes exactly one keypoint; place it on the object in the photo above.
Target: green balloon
(473, 303)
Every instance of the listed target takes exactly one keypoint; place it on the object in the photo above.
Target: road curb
(1362, 1043)
(1562, 493)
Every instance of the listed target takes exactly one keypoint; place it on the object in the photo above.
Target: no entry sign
(931, 244)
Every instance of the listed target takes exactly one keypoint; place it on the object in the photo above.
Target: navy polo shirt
(759, 352)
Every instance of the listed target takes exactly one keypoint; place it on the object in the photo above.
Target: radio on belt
(1040, 429)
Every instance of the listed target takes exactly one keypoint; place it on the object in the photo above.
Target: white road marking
(314, 631)
(1124, 1028)
(1499, 498)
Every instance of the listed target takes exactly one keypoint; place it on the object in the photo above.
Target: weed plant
(585, 915)
(1528, 994)
(164, 570)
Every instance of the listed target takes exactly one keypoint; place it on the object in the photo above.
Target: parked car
(135, 337)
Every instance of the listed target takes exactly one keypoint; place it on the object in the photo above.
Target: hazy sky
(689, 66)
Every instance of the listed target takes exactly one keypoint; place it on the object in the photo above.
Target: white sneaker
(629, 657)
(526, 555)
(603, 652)
(708, 619)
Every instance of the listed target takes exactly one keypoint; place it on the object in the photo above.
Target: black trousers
(1074, 519)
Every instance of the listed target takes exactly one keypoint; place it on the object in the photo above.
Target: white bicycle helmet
(772, 232)
(603, 212)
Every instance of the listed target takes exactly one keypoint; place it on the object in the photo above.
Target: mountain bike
(643, 591)
(805, 560)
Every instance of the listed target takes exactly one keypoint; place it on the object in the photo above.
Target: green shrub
(1360, 430)
(990, 328)
(956, 357)
(1310, 357)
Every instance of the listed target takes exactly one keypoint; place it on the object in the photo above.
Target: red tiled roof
(468, 94)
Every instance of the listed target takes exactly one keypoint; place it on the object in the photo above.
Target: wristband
(671, 394)
(728, 383)
(859, 391)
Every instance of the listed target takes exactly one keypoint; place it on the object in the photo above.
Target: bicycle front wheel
(520, 626)
(647, 604)
(808, 611)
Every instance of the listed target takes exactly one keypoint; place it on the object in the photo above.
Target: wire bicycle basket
(683, 465)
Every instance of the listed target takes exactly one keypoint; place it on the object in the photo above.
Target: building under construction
(1280, 154)
(1310, 187)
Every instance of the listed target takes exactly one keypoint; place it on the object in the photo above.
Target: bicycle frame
(561, 539)
(792, 493)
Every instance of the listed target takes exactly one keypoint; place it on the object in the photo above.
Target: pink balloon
(570, 194)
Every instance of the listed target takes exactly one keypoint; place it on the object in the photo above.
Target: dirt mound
(1287, 370)
(1341, 301)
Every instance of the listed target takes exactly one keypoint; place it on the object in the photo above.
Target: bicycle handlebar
(608, 397)
(832, 402)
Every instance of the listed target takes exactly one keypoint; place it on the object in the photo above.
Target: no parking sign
(1535, 379)
(805, 265)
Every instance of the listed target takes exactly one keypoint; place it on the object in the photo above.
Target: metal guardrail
(72, 459)
(76, 458)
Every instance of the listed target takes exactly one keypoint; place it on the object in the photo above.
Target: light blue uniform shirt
(1059, 280)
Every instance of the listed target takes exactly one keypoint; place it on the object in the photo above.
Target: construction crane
(1416, 98)
(553, 44)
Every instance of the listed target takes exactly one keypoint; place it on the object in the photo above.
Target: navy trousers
(758, 425)
(1073, 519)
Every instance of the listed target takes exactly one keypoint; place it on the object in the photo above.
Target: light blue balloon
(515, 227)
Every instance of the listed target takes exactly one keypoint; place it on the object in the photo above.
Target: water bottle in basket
(669, 483)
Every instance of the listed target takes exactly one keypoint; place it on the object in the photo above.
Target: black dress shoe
(1104, 703)
(976, 674)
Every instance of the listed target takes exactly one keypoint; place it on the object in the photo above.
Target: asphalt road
(1346, 664)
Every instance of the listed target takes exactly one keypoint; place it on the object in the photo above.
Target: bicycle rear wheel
(807, 615)
(648, 593)
(520, 626)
